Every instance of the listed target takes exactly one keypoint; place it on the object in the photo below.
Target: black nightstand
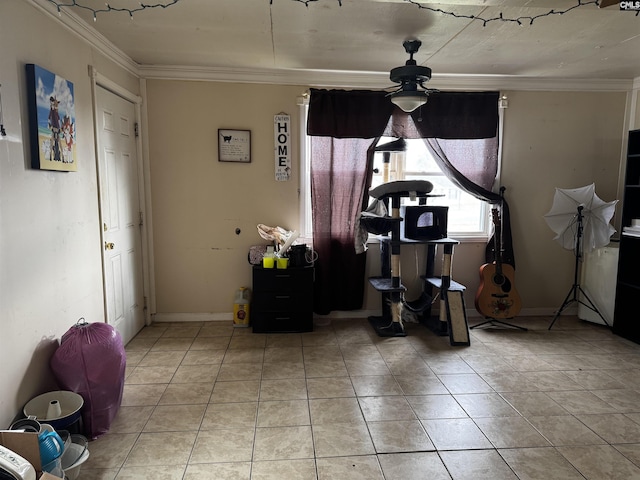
(282, 300)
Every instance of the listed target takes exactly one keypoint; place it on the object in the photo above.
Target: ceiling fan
(411, 92)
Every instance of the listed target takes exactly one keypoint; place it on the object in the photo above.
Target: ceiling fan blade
(607, 3)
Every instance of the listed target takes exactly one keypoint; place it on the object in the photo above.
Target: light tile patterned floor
(207, 401)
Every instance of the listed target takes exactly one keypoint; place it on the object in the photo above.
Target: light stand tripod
(573, 296)
(493, 321)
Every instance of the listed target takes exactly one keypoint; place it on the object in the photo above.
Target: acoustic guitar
(497, 296)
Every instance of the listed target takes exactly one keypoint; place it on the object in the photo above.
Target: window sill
(375, 239)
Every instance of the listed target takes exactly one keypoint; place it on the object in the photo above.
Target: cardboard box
(26, 445)
(48, 476)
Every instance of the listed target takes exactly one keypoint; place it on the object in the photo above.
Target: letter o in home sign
(282, 142)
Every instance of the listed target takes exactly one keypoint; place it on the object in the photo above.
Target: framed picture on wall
(234, 145)
(52, 120)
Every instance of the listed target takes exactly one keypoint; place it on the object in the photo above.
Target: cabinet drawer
(282, 300)
(283, 322)
(280, 280)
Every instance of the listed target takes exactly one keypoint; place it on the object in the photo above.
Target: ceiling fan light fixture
(411, 92)
(408, 101)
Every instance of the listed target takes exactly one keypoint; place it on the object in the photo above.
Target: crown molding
(352, 79)
(318, 78)
(79, 27)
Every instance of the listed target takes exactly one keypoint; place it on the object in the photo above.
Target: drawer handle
(280, 297)
(283, 275)
(283, 318)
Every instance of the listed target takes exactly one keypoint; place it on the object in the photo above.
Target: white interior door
(121, 213)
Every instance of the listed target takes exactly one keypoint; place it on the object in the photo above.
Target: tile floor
(207, 401)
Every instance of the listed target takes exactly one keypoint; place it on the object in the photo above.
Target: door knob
(109, 245)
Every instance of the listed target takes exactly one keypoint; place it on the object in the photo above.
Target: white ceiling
(362, 39)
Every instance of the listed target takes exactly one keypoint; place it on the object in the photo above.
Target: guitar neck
(497, 240)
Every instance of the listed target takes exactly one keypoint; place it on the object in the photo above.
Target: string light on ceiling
(485, 21)
(501, 18)
(108, 8)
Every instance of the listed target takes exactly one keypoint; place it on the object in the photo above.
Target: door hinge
(141, 223)
(136, 130)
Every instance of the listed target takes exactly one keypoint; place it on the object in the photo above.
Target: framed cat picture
(234, 145)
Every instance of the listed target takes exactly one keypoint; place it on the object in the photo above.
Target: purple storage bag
(90, 361)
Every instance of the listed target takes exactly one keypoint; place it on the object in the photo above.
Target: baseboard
(547, 312)
(470, 312)
(191, 317)
(349, 314)
(226, 317)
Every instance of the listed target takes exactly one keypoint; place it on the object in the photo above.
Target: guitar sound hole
(502, 282)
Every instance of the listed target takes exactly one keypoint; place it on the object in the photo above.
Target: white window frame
(306, 225)
(304, 190)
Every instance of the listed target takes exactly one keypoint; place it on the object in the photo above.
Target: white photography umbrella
(581, 222)
(596, 215)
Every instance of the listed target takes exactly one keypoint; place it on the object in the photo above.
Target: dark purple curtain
(344, 127)
(458, 115)
(348, 113)
(338, 186)
(464, 143)
(472, 165)
(465, 146)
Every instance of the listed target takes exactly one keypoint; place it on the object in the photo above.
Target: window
(304, 191)
(468, 217)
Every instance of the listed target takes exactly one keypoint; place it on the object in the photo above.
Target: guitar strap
(500, 254)
(507, 241)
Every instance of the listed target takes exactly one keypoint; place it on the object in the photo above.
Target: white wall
(198, 202)
(563, 139)
(50, 256)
